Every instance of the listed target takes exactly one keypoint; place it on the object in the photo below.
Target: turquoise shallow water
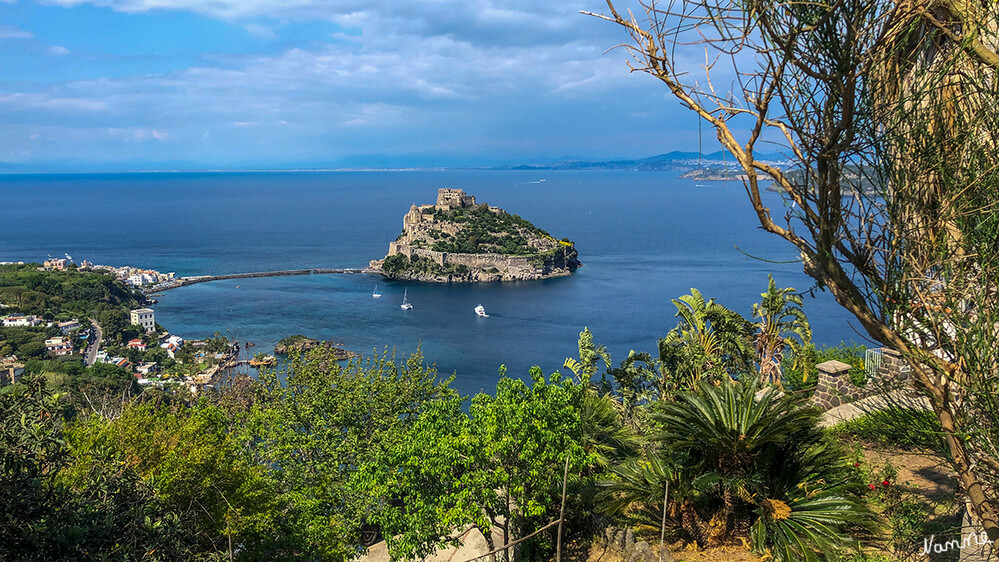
(644, 238)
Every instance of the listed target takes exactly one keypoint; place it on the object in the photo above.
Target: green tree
(781, 327)
(197, 465)
(317, 423)
(526, 434)
(590, 355)
(499, 466)
(437, 469)
(710, 342)
(107, 514)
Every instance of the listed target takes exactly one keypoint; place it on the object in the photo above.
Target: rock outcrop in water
(301, 344)
(457, 240)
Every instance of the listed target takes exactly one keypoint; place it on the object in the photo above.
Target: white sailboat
(481, 311)
(405, 303)
(375, 294)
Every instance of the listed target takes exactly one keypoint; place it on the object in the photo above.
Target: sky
(205, 84)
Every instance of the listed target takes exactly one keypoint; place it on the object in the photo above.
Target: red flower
(872, 486)
(856, 464)
(886, 483)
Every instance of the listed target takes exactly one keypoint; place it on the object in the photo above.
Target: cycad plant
(782, 327)
(762, 463)
(604, 437)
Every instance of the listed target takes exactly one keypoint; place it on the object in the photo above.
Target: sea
(644, 238)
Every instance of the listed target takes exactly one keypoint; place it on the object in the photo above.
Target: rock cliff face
(457, 240)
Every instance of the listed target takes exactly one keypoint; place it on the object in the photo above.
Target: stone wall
(623, 542)
(484, 261)
(502, 262)
(893, 366)
(834, 387)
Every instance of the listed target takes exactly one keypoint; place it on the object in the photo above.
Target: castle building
(448, 199)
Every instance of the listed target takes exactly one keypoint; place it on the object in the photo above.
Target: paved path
(472, 544)
(864, 406)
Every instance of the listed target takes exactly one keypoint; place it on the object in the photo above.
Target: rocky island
(457, 240)
(301, 344)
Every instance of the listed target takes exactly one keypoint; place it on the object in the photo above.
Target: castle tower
(448, 199)
(412, 218)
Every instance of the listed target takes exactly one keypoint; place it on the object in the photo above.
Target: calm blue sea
(644, 238)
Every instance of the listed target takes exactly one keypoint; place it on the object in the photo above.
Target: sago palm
(768, 464)
(636, 488)
(808, 497)
(604, 437)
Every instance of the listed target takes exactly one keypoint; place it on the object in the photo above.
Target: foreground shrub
(751, 466)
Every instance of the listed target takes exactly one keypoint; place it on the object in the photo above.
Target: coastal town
(136, 345)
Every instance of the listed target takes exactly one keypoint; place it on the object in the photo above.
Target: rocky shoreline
(302, 344)
(564, 266)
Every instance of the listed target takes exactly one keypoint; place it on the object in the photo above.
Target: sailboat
(481, 311)
(405, 303)
(375, 294)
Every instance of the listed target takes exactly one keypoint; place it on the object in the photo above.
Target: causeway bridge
(191, 280)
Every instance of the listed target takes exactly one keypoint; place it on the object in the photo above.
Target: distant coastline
(671, 161)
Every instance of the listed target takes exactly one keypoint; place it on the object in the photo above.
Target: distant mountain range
(675, 160)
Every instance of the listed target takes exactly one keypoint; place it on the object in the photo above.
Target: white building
(137, 344)
(68, 326)
(147, 368)
(144, 317)
(20, 321)
(53, 263)
(59, 346)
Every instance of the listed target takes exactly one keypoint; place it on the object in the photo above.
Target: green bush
(763, 464)
(801, 376)
(484, 231)
(905, 428)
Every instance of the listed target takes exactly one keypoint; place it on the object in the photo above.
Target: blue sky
(145, 84)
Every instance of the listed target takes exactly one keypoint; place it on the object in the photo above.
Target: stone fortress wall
(420, 220)
(420, 225)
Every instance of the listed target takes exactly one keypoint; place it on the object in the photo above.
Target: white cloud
(25, 101)
(135, 134)
(56, 50)
(260, 31)
(14, 32)
(375, 114)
